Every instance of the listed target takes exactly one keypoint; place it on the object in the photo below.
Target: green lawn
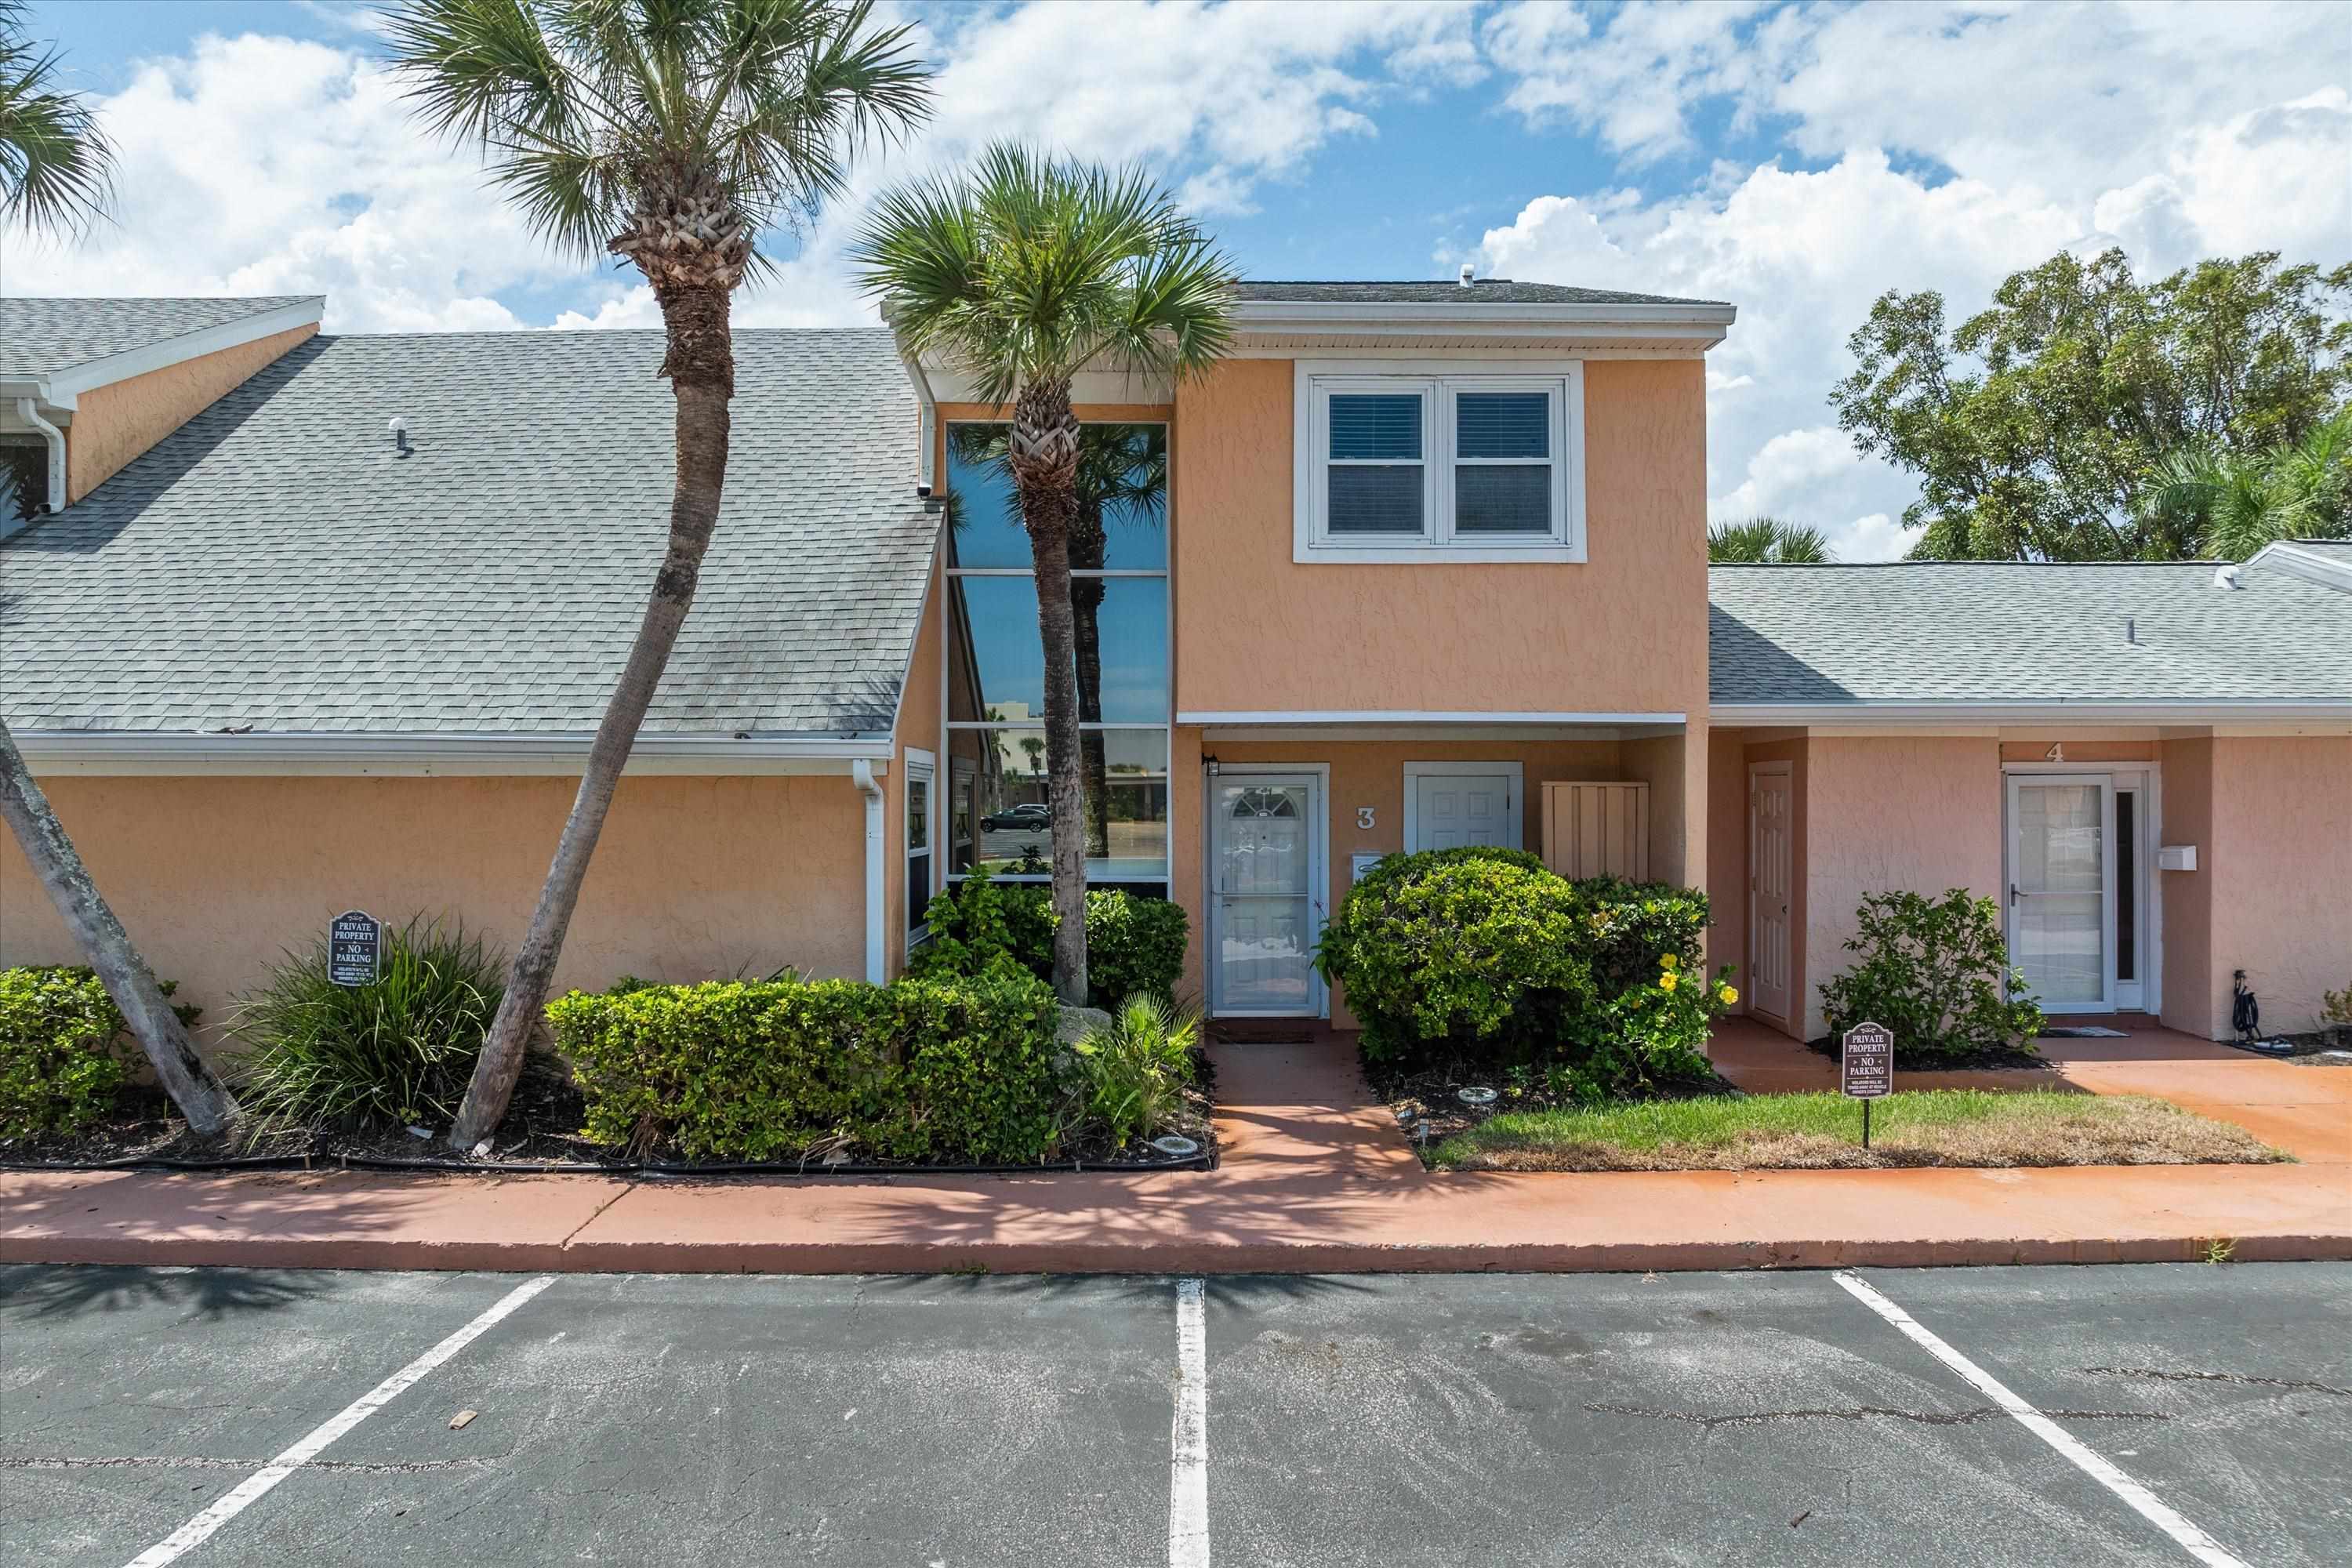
(1966, 1126)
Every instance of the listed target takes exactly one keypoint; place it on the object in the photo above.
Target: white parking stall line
(1188, 1463)
(2195, 1542)
(254, 1487)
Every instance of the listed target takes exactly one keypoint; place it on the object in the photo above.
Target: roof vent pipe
(2131, 630)
(1467, 270)
(399, 429)
(2225, 576)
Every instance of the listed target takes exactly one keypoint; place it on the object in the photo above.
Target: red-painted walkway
(1315, 1178)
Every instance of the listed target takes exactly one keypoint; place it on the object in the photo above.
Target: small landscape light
(1175, 1147)
(1475, 1094)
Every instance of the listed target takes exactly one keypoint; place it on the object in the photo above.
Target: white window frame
(1437, 383)
(921, 767)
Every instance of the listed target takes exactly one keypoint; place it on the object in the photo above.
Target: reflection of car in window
(1027, 815)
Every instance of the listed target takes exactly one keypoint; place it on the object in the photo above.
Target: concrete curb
(1139, 1256)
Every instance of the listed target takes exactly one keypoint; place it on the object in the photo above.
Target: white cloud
(2167, 130)
(261, 166)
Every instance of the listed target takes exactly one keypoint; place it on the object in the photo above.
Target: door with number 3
(1265, 894)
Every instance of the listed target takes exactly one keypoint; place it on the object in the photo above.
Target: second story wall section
(1425, 499)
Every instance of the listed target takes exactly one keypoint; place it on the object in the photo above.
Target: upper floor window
(1399, 463)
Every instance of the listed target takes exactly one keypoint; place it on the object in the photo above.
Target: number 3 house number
(1364, 817)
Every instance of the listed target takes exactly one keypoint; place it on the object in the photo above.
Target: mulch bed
(1428, 1103)
(2004, 1057)
(541, 1131)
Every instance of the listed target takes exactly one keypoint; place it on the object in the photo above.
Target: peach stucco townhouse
(1421, 564)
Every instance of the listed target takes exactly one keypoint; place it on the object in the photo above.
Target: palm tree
(1767, 542)
(57, 177)
(673, 133)
(2230, 504)
(1023, 272)
(1122, 473)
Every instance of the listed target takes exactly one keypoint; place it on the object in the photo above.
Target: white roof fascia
(1928, 716)
(424, 754)
(107, 368)
(2309, 564)
(1691, 325)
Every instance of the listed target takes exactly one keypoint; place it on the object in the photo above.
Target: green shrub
(940, 1069)
(61, 1062)
(1934, 970)
(394, 1054)
(1486, 958)
(1134, 943)
(1129, 1079)
(59, 1069)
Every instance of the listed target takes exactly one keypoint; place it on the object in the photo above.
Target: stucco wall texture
(695, 878)
(1622, 632)
(113, 424)
(2277, 860)
(2271, 818)
(1364, 773)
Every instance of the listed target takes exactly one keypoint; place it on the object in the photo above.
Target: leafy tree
(56, 175)
(1024, 271)
(672, 134)
(2234, 503)
(2035, 428)
(1768, 541)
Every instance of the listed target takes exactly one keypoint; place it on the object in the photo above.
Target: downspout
(861, 772)
(30, 413)
(924, 458)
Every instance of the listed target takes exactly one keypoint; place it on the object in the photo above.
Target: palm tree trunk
(198, 1094)
(1044, 457)
(700, 363)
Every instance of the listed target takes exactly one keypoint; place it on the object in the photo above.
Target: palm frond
(1029, 269)
(57, 164)
(592, 115)
(1768, 541)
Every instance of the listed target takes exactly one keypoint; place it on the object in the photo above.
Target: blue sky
(1796, 160)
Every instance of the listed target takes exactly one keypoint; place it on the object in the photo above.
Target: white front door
(1771, 839)
(1265, 897)
(1456, 804)
(2062, 886)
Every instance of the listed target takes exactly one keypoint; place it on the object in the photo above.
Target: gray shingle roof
(274, 563)
(1482, 291)
(42, 337)
(2005, 631)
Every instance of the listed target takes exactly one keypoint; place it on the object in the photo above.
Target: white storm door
(1264, 855)
(1769, 839)
(2062, 888)
(1473, 805)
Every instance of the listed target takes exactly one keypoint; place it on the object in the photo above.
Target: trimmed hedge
(1135, 944)
(59, 1070)
(1485, 957)
(949, 1070)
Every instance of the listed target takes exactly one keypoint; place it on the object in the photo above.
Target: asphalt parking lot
(1281, 1422)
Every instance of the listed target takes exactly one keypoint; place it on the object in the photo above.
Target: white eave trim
(1690, 326)
(2309, 565)
(1413, 716)
(430, 755)
(1870, 714)
(61, 387)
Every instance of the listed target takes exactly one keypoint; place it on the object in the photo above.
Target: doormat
(2086, 1031)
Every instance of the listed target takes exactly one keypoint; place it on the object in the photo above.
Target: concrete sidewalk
(1315, 1179)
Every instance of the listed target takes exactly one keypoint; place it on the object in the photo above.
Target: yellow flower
(1666, 981)
(1668, 961)
(1726, 995)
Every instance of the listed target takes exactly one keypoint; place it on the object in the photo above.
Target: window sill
(1306, 554)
